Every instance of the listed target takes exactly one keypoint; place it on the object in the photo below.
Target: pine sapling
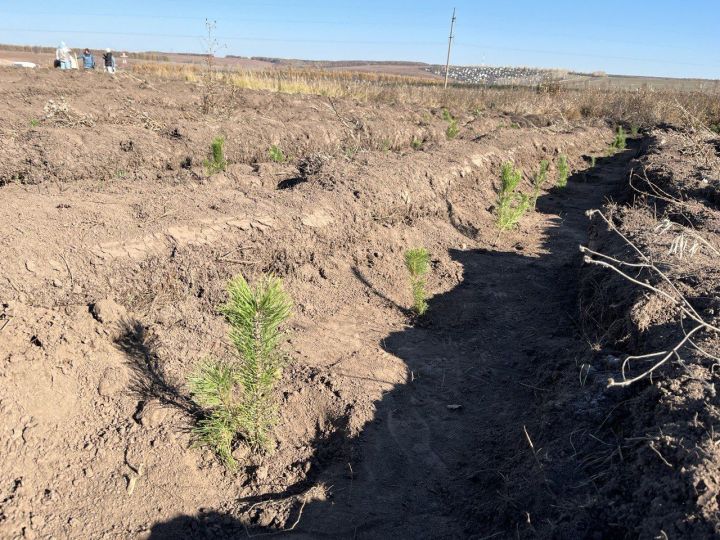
(620, 140)
(563, 172)
(217, 161)
(539, 180)
(238, 396)
(276, 154)
(511, 204)
(417, 261)
(452, 129)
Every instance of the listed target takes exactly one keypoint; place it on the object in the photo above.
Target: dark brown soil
(479, 420)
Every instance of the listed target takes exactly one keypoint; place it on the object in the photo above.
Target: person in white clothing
(63, 56)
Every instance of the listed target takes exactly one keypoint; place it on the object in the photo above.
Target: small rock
(454, 407)
(240, 169)
(152, 414)
(31, 266)
(266, 517)
(112, 382)
(57, 283)
(108, 311)
(261, 473)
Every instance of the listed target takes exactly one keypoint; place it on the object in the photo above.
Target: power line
(233, 38)
(361, 42)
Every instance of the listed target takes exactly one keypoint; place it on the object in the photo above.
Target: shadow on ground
(475, 443)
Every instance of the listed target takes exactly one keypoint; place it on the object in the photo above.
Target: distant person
(63, 56)
(88, 59)
(109, 61)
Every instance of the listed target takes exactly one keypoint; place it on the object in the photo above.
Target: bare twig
(233, 251)
(689, 311)
(67, 266)
(665, 461)
(628, 382)
(7, 321)
(344, 122)
(532, 446)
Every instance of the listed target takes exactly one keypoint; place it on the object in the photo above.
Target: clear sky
(678, 38)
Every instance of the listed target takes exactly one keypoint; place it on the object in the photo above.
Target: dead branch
(677, 298)
(647, 373)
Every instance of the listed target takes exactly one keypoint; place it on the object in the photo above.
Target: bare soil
(472, 422)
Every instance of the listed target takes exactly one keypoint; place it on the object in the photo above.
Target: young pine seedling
(217, 161)
(417, 261)
(238, 395)
(539, 180)
(511, 204)
(452, 129)
(563, 172)
(276, 154)
(620, 140)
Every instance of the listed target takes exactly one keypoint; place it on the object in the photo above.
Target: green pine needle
(511, 204)
(417, 261)
(563, 172)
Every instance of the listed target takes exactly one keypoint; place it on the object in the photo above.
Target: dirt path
(438, 460)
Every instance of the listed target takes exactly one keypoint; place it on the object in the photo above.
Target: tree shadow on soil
(385, 298)
(447, 452)
(148, 378)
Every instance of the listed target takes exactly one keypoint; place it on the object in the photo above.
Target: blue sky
(642, 37)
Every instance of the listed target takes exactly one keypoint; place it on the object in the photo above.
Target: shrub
(539, 180)
(593, 161)
(217, 162)
(238, 395)
(417, 261)
(563, 172)
(276, 154)
(416, 143)
(620, 140)
(634, 130)
(511, 204)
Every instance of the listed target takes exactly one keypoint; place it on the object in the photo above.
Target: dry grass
(633, 107)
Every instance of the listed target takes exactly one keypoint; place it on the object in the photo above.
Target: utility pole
(447, 63)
